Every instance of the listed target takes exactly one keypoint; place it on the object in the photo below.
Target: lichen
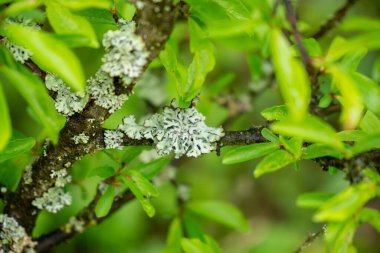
(113, 139)
(74, 225)
(61, 177)
(182, 131)
(126, 54)
(102, 91)
(66, 101)
(13, 238)
(81, 138)
(53, 200)
(20, 53)
(27, 176)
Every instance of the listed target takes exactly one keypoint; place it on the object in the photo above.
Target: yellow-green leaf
(291, 76)
(249, 152)
(5, 125)
(49, 53)
(273, 162)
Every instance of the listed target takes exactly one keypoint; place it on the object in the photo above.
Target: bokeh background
(234, 95)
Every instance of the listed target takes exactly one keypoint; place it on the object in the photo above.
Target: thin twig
(338, 16)
(310, 239)
(306, 59)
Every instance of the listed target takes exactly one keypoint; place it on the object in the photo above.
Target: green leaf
(65, 22)
(370, 216)
(293, 145)
(149, 170)
(84, 4)
(104, 204)
(195, 246)
(321, 150)
(370, 123)
(352, 135)
(234, 8)
(102, 171)
(367, 143)
(310, 129)
(357, 23)
(273, 162)
(98, 16)
(173, 241)
(5, 126)
(352, 60)
(249, 152)
(49, 53)
(313, 47)
(34, 92)
(218, 211)
(350, 97)
(193, 228)
(16, 147)
(345, 204)
(145, 203)
(369, 91)
(313, 199)
(146, 187)
(291, 76)
(203, 61)
(339, 236)
(270, 136)
(279, 112)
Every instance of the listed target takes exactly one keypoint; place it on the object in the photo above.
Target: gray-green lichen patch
(182, 131)
(126, 54)
(13, 238)
(113, 139)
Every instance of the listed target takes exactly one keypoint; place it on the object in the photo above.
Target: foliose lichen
(126, 54)
(81, 138)
(13, 238)
(74, 224)
(102, 91)
(113, 139)
(53, 200)
(20, 53)
(66, 101)
(182, 131)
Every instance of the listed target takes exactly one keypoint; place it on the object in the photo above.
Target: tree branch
(338, 16)
(154, 25)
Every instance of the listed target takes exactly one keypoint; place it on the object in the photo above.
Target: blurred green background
(234, 96)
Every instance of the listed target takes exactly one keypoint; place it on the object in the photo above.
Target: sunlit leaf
(370, 123)
(273, 162)
(173, 241)
(17, 146)
(275, 113)
(5, 126)
(249, 152)
(49, 53)
(104, 204)
(291, 76)
(313, 199)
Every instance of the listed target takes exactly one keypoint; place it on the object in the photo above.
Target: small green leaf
(218, 211)
(102, 171)
(360, 23)
(149, 170)
(16, 147)
(273, 162)
(49, 53)
(350, 97)
(145, 203)
(270, 136)
(313, 199)
(65, 22)
(352, 135)
(195, 246)
(275, 113)
(291, 76)
(5, 126)
(321, 150)
(313, 47)
(192, 226)
(370, 123)
(173, 241)
(98, 16)
(234, 8)
(310, 129)
(343, 205)
(367, 143)
(249, 152)
(146, 187)
(34, 92)
(84, 4)
(370, 216)
(293, 145)
(105, 202)
(339, 236)
(369, 92)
